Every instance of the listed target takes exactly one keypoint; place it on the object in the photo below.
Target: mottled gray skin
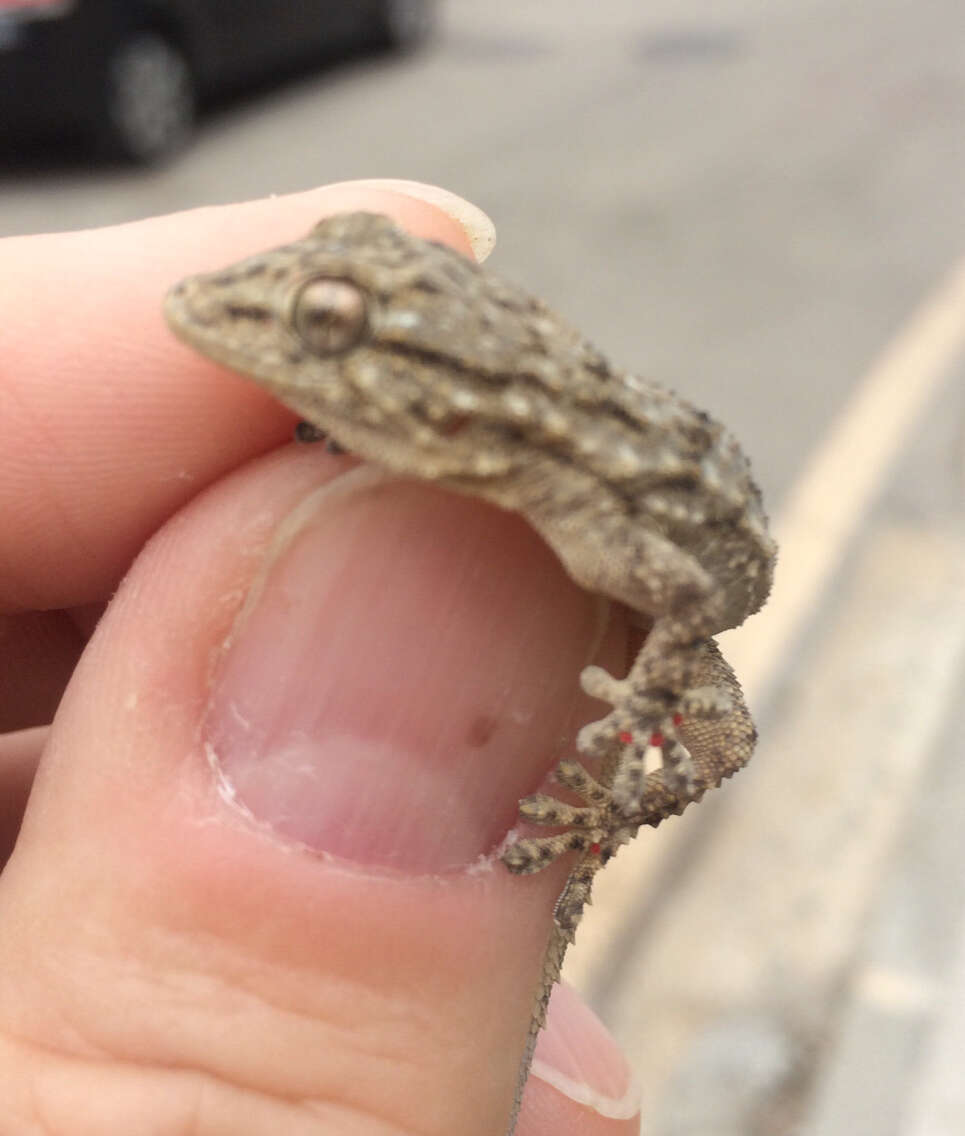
(417, 359)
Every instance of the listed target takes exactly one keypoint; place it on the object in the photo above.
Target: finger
(257, 864)
(576, 1065)
(109, 424)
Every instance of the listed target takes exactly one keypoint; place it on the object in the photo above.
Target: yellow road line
(832, 495)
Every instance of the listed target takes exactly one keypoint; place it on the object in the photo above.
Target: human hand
(253, 891)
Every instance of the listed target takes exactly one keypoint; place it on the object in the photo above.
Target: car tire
(149, 99)
(406, 24)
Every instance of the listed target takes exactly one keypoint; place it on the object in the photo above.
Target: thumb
(255, 890)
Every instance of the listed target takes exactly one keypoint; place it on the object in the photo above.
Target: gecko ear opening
(329, 315)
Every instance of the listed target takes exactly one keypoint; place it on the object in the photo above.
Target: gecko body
(408, 355)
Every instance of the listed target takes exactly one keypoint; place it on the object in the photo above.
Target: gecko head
(400, 349)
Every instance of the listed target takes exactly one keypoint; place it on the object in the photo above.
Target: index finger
(109, 425)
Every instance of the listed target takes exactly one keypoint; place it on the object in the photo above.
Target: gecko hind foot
(599, 827)
(586, 825)
(611, 816)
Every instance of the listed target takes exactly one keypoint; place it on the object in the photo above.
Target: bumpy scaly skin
(406, 354)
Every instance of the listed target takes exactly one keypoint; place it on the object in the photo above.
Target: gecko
(409, 355)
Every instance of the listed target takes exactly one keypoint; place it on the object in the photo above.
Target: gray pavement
(746, 200)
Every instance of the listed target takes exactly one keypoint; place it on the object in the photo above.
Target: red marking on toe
(678, 719)
(656, 739)
(595, 849)
(626, 737)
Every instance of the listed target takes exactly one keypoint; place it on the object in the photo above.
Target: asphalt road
(749, 202)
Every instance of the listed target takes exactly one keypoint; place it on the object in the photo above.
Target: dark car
(131, 73)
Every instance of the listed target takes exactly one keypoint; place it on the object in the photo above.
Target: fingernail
(576, 1055)
(405, 665)
(479, 228)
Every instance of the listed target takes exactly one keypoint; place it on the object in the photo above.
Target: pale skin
(162, 967)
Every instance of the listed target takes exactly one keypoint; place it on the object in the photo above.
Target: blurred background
(760, 205)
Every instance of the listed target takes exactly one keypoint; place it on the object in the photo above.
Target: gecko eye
(329, 316)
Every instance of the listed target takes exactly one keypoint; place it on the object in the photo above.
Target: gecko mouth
(199, 316)
(188, 316)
